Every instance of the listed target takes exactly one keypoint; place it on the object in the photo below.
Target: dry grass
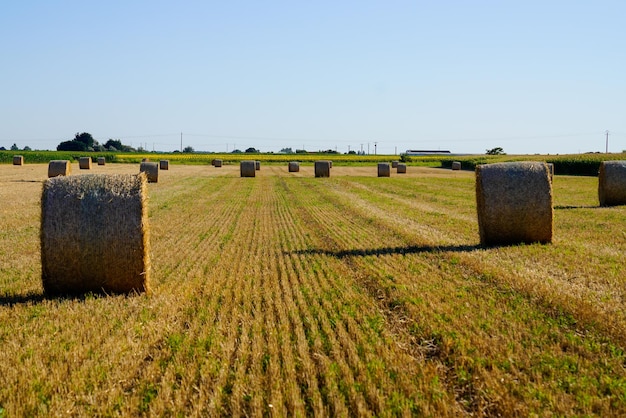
(346, 297)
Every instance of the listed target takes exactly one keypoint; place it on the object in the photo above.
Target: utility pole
(181, 142)
(375, 144)
(368, 148)
(607, 141)
(361, 148)
(396, 151)
(348, 149)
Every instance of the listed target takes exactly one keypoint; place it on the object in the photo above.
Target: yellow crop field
(289, 295)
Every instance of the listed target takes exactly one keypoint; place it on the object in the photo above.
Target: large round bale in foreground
(59, 168)
(101, 161)
(151, 170)
(294, 166)
(94, 234)
(514, 203)
(456, 165)
(247, 168)
(18, 160)
(322, 168)
(401, 169)
(164, 164)
(612, 183)
(217, 163)
(384, 170)
(84, 163)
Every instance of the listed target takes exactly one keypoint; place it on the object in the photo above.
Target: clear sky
(528, 76)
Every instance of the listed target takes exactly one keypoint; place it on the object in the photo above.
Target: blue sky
(465, 76)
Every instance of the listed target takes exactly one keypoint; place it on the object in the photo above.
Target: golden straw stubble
(514, 203)
(95, 234)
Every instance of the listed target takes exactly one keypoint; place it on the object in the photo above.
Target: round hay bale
(247, 168)
(84, 163)
(59, 168)
(294, 166)
(151, 170)
(456, 165)
(217, 163)
(322, 168)
(164, 164)
(384, 170)
(18, 160)
(330, 162)
(514, 203)
(612, 183)
(401, 169)
(94, 234)
(257, 165)
(101, 161)
(394, 164)
(213, 162)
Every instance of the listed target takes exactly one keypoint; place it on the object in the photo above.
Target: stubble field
(287, 295)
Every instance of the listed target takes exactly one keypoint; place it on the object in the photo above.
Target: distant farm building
(426, 152)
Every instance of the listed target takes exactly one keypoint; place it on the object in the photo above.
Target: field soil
(289, 295)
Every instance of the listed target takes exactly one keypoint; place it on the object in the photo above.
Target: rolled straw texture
(84, 163)
(18, 160)
(257, 165)
(59, 168)
(101, 161)
(217, 163)
(456, 165)
(164, 164)
(394, 164)
(95, 234)
(322, 168)
(247, 168)
(384, 170)
(294, 166)
(612, 183)
(401, 168)
(514, 203)
(151, 170)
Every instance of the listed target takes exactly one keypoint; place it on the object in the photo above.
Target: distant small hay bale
(257, 165)
(294, 166)
(84, 163)
(247, 168)
(101, 161)
(151, 170)
(164, 165)
(18, 160)
(551, 169)
(401, 169)
(394, 164)
(456, 165)
(330, 162)
(95, 234)
(59, 168)
(514, 203)
(213, 162)
(217, 163)
(384, 170)
(322, 168)
(612, 183)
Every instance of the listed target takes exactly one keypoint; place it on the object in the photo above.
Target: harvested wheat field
(290, 295)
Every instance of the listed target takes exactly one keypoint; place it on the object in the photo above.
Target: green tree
(495, 151)
(14, 147)
(71, 146)
(252, 150)
(85, 138)
(188, 149)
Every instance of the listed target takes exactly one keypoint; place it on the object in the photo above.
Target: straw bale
(164, 165)
(84, 163)
(213, 162)
(394, 164)
(330, 163)
(101, 161)
(95, 234)
(294, 166)
(217, 163)
(257, 165)
(612, 183)
(18, 160)
(456, 165)
(401, 168)
(151, 170)
(384, 170)
(247, 168)
(322, 168)
(514, 203)
(59, 168)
